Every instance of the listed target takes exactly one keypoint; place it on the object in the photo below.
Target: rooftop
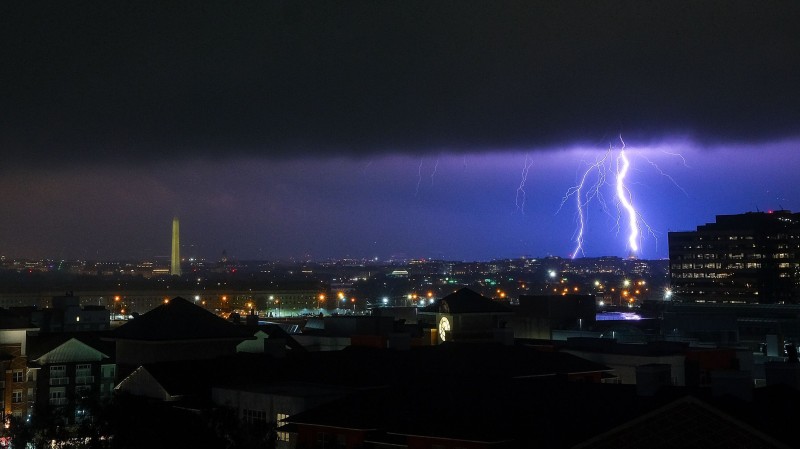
(466, 301)
(180, 319)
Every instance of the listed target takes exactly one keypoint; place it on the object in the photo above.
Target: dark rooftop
(179, 319)
(466, 301)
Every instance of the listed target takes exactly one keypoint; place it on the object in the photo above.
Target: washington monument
(175, 268)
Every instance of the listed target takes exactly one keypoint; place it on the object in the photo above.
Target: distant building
(468, 316)
(174, 331)
(67, 315)
(16, 388)
(71, 377)
(538, 316)
(745, 258)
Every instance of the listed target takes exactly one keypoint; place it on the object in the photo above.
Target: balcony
(83, 380)
(58, 401)
(59, 381)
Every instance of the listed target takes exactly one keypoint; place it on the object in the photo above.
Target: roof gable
(179, 319)
(142, 383)
(686, 422)
(70, 351)
(466, 301)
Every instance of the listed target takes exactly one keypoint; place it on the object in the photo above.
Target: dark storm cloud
(149, 80)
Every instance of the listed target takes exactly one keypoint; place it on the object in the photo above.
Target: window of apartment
(81, 414)
(253, 416)
(83, 370)
(108, 371)
(16, 396)
(279, 421)
(83, 390)
(18, 376)
(58, 371)
(58, 393)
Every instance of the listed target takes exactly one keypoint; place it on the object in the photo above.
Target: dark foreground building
(746, 258)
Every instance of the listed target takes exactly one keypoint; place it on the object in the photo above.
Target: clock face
(444, 328)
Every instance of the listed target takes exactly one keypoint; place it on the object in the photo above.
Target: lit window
(281, 420)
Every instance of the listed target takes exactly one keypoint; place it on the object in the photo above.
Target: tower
(175, 268)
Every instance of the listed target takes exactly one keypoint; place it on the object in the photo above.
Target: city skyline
(276, 131)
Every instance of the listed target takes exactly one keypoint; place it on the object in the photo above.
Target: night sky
(294, 129)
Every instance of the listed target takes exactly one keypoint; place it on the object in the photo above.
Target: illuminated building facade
(71, 376)
(746, 258)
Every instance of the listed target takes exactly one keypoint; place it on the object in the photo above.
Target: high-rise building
(175, 267)
(752, 257)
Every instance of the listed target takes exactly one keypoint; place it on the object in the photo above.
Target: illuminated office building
(750, 258)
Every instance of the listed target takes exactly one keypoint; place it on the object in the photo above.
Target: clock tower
(465, 316)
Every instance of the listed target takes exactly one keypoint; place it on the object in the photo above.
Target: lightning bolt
(678, 155)
(665, 174)
(624, 197)
(435, 167)
(419, 176)
(589, 187)
(519, 201)
(583, 199)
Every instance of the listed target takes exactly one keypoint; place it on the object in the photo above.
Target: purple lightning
(589, 187)
(582, 200)
(520, 198)
(624, 197)
(419, 174)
